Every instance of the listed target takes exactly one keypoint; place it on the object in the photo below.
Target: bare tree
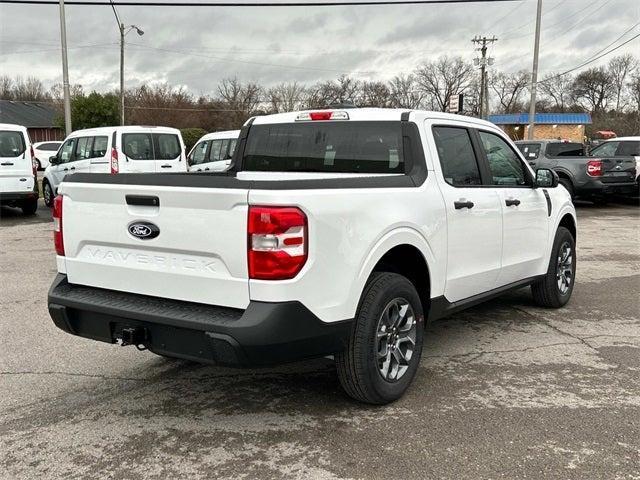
(375, 94)
(556, 89)
(29, 89)
(634, 92)
(6, 87)
(445, 77)
(343, 89)
(404, 92)
(593, 89)
(286, 97)
(620, 68)
(508, 87)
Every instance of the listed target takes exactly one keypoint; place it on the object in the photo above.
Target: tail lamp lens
(594, 168)
(115, 168)
(57, 225)
(277, 242)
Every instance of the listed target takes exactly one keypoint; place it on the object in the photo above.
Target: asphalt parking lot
(505, 390)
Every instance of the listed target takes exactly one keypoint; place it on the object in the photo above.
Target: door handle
(463, 204)
(206, 169)
(72, 168)
(199, 170)
(65, 170)
(511, 202)
(165, 166)
(6, 164)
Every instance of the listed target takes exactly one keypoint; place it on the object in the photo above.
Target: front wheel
(385, 346)
(554, 289)
(47, 193)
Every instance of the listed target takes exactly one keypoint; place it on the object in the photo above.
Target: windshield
(11, 144)
(360, 147)
(565, 149)
(531, 151)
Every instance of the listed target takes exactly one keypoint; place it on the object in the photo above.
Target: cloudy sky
(198, 46)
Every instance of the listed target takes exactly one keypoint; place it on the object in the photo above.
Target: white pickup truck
(335, 232)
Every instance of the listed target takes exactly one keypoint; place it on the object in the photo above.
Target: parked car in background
(213, 152)
(42, 151)
(591, 177)
(130, 149)
(18, 183)
(339, 232)
(619, 148)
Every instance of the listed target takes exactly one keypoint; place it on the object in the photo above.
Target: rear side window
(49, 147)
(11, 144)
(531, 151)
(100, 145)
(359, 147)
(566, 149)
(167, 146)
(137, 146)
(215, 152)
(457, 158)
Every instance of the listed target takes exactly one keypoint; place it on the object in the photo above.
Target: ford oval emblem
(144, 230)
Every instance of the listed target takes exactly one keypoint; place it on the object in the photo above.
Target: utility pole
(65, 71)
(534, 73)
(483, 61)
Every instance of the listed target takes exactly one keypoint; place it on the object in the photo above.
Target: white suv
(129, 149)
(18, 183)
(213, 152)
(335, 232)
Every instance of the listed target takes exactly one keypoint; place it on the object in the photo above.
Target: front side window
(83, 148)
(349, 146)
(606, 149)
(232, 147)
(100, 145)
(199, 153)
(137, 146)
(167, 146)
(66, 151)
(531, 151)
(504, 164)
(11, 144)
(457, 158)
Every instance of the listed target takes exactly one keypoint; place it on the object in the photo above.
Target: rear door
(81, 162)
(474, 216)
(524, 210)
(16, 168)
(100, 155)
(168, 153)
(219, 155)
(137, 149)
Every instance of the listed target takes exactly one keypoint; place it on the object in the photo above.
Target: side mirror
(53, 159)
(546, 178)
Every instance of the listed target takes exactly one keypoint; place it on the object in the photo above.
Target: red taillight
(34, 161)
(277, 242)
(115, 168)
(594, 168)
(57, 225)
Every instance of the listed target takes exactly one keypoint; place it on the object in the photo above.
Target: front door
(474, 216)
(65, 156)
(524, 211)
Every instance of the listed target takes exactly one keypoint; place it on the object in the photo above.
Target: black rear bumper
(17, 197)
(598, 188)
(263, 334)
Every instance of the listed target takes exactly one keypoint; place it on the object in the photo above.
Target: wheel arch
(567, 221)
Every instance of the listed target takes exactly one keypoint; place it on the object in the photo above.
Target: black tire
(29, 207)
(568, 184)
(47, 193)
(547, 292)
(358, 366)
(39, 166)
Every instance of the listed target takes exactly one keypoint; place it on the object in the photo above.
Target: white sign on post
(455, 103)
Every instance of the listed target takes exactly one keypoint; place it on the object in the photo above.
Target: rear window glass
(360, 147)
(100, 147)
(531, 151)
(137, 146)
(50, 147)
(11, 144)
(167, 146)
(565, 150)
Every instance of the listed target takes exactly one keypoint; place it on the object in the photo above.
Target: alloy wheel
(395, 339)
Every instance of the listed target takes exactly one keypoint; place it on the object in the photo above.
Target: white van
(213, 152)
(130, 149)
(18, 185)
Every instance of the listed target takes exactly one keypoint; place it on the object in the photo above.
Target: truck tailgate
(199, 254)
(618, 170)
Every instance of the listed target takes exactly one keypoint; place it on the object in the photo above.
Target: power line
(101, 45)
(339, 3)
(584, 64)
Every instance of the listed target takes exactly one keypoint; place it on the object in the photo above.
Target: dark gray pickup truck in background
(584, 176)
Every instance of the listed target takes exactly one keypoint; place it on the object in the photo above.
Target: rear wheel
(29, 207)
(566, 183)
(554, 289)
(47, 193)
(385, 346)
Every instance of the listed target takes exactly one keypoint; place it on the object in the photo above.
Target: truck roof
(125, 129)
(220, 135)
(374, 114)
